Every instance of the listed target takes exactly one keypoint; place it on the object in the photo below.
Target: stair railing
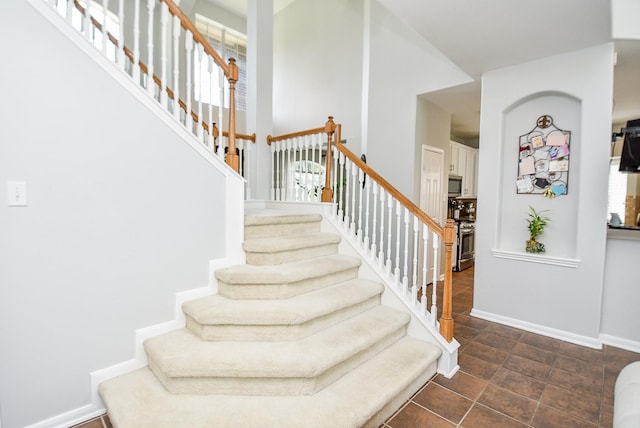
(186, 43)
(399, 237)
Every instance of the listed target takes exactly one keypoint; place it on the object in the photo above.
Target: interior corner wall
(403, 65)
(523, 290)
(122, 213)
(318, 67)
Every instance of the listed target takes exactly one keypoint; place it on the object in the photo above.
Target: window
(617, 190)
(229, 44)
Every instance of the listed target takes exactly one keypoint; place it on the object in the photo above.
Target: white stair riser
(276, 333)
(277, 258)
(281, 291)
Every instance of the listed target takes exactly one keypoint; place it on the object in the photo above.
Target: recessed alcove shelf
(536, 258)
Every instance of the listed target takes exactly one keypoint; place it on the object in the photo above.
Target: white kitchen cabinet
(464, 162)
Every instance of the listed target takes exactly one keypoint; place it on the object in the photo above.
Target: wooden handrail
(230, 71)
(413, 208)
(271, 139)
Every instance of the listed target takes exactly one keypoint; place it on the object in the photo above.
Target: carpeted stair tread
(182, 354)
(265, 217)
(287, 272)
(138, 399)
(289, 242)
(287, 248)
(218, 318)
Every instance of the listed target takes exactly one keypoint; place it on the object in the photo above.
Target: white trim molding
(587, 341)
(73, 417)
(536, 258)
(619, 342)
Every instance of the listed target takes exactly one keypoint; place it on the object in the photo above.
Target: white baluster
(70, 9)
(405, 277)
(336, 183)
(246, 166)
(105, 33)
(199, 53)
(188, 119)
(136, 43)
(151, 85)
(210, 66)
(381, 246)
(341, 184)
(360, 192)
(374, 247)
(176, 68)
(164, 21)
(120, 54)
(367, 188)
(273, 166)
(276, 188)
(88, 26)
(221, 78)
(389, 233)
(354, 179)
(291, 157)
(347, 190)
(434, 304)
(396, 271)
(425, 266)
(414, 280)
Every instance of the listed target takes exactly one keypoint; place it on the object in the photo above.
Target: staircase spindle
(414, 277)
(337, 185)
(105, 14)
(354, 179)
(199, 53)
(120, 54)
(188, 119)
(374, 224)
(176, 68)
(405, 277)
(88, 27)
(425, 268)
(347, 197)
(291, 158)
(381, 247)
(136, 42)
(341, 184)
(164, 21)
(150, 83)
(434, 303)
(367, 188)
(275, 148)
(389, 233)
(360, 194)
(70, 8)
(396, 271)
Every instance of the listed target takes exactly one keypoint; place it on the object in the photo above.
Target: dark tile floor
(512, 378)
(508, 378)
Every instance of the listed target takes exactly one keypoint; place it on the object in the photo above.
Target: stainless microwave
(455, 186)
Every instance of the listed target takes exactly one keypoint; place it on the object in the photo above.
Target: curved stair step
(275, 224)
(365, 397)
(289, 248)
(187, 365)
(218, 318)
(285, 280)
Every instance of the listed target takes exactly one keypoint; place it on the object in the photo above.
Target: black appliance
(465, 245)
(630, 157)
(455, 186)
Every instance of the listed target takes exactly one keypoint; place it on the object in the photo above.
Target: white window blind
(617, 189)
(229, 44)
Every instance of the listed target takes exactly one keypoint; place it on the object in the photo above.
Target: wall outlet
(17, 193)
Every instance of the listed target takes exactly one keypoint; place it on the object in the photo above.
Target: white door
(431, 194)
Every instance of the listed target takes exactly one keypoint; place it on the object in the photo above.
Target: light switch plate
(17, 193)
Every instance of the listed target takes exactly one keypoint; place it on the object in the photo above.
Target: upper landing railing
(404, 242)
(168, 70)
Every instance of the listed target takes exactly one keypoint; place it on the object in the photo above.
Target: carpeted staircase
(293, 339)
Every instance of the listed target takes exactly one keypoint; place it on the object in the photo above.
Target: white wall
(121, 215)
(620, 315)
(318, 67)
(532, 293)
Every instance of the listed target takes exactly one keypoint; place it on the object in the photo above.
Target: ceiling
(485, 35)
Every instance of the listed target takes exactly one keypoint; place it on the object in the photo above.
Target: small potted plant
(536, 222)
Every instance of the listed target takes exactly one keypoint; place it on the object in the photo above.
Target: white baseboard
(589, 342)
(619, 342)
(71, 418)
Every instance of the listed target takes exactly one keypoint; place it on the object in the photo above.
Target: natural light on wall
(617, 190)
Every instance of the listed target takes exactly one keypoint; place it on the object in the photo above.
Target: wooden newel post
(330, 129)
(446, 322)
(232, 77)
